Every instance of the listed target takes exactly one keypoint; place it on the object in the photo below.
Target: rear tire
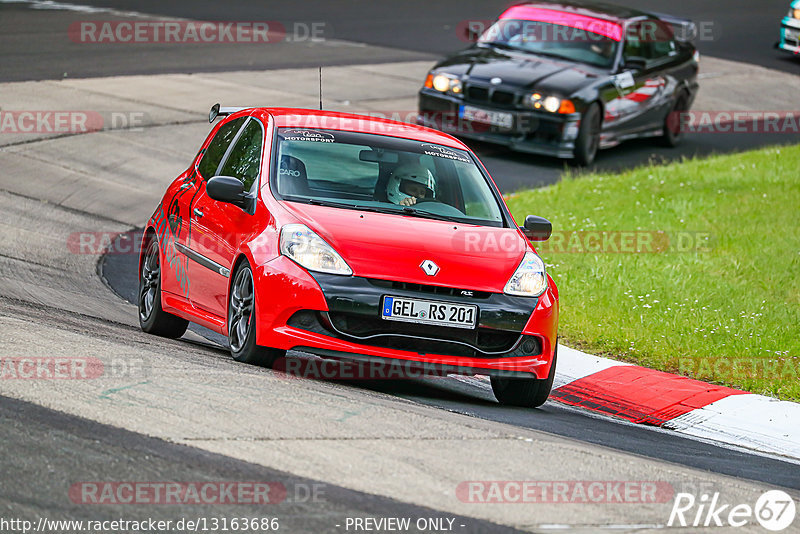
(673, 123)
(242, 321)
(152, 317)
(525, 392)
(588, 142)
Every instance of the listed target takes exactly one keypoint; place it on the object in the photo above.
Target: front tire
(152, 317)
(588, 142)
(242, 322)
(525, 392)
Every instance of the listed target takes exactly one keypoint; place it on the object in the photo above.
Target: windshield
(381, 173)
(552, 39)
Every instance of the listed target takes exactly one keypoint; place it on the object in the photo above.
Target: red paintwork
(641, 395)
(385, 246)
(610, 29)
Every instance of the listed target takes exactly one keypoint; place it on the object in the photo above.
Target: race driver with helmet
(409, 183)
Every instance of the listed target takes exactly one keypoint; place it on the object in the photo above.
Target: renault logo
(429, 267)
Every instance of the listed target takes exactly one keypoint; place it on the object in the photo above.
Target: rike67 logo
(774, 510)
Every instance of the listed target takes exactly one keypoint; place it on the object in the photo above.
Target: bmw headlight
(549, 103)
(444, 83)
(309, 250)
(529, 280)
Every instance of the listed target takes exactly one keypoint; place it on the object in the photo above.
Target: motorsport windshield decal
(443, 152)
(308, 135)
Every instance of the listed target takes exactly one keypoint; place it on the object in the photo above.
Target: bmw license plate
(487, 116)
(429, 312)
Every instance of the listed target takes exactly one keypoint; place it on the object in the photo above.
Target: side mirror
(226, 189)
(634, 63)
(537, 228)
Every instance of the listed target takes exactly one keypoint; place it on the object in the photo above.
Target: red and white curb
(686, 406)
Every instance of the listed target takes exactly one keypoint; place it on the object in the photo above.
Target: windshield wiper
(407, 210)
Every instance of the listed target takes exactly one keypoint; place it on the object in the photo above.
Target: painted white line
(751, 421)
(65, 6)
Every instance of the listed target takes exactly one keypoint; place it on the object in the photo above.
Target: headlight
(308, 249)
(796, 13)
(446, 83)
(553, 104)
(530, 279)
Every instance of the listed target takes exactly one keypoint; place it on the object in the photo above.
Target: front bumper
(790, 35)
(535, 132)
(339, 317)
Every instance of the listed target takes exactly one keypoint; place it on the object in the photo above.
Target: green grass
(726, 311)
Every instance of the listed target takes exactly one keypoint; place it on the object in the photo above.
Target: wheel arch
(241, 257)
(147, 236)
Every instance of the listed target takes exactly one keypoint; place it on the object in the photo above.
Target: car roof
(334, 120)
(600, 10)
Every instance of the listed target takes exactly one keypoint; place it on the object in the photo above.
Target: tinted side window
(245, 157)
(216, 149)
(649, 39)
(634, 45)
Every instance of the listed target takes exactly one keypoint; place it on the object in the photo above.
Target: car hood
(521, 70)
(392, 247)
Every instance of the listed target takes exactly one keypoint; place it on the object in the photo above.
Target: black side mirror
(226, 189)
(537, 228)
(634, 63)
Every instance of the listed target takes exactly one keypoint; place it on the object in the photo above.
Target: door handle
(197, 213)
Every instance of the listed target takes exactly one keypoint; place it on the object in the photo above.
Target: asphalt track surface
(36, 46)
(410, 30)
(739, 30)
(107, 452)
(120, 273)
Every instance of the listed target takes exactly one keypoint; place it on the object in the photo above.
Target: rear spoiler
(217, 111)
(684, 30)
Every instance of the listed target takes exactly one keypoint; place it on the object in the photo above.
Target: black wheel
(526, 392)
(673, 123)
(242, 322)
(588, 141)
(152, 318)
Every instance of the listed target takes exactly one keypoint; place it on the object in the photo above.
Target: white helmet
(411, 172)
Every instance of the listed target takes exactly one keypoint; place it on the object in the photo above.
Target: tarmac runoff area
(57, 184)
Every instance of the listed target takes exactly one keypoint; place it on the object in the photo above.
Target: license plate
(487, 116)
(429, 312)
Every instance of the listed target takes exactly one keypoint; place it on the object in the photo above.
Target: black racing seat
(292, 177)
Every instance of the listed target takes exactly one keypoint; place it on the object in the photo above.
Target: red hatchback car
(351, 238)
